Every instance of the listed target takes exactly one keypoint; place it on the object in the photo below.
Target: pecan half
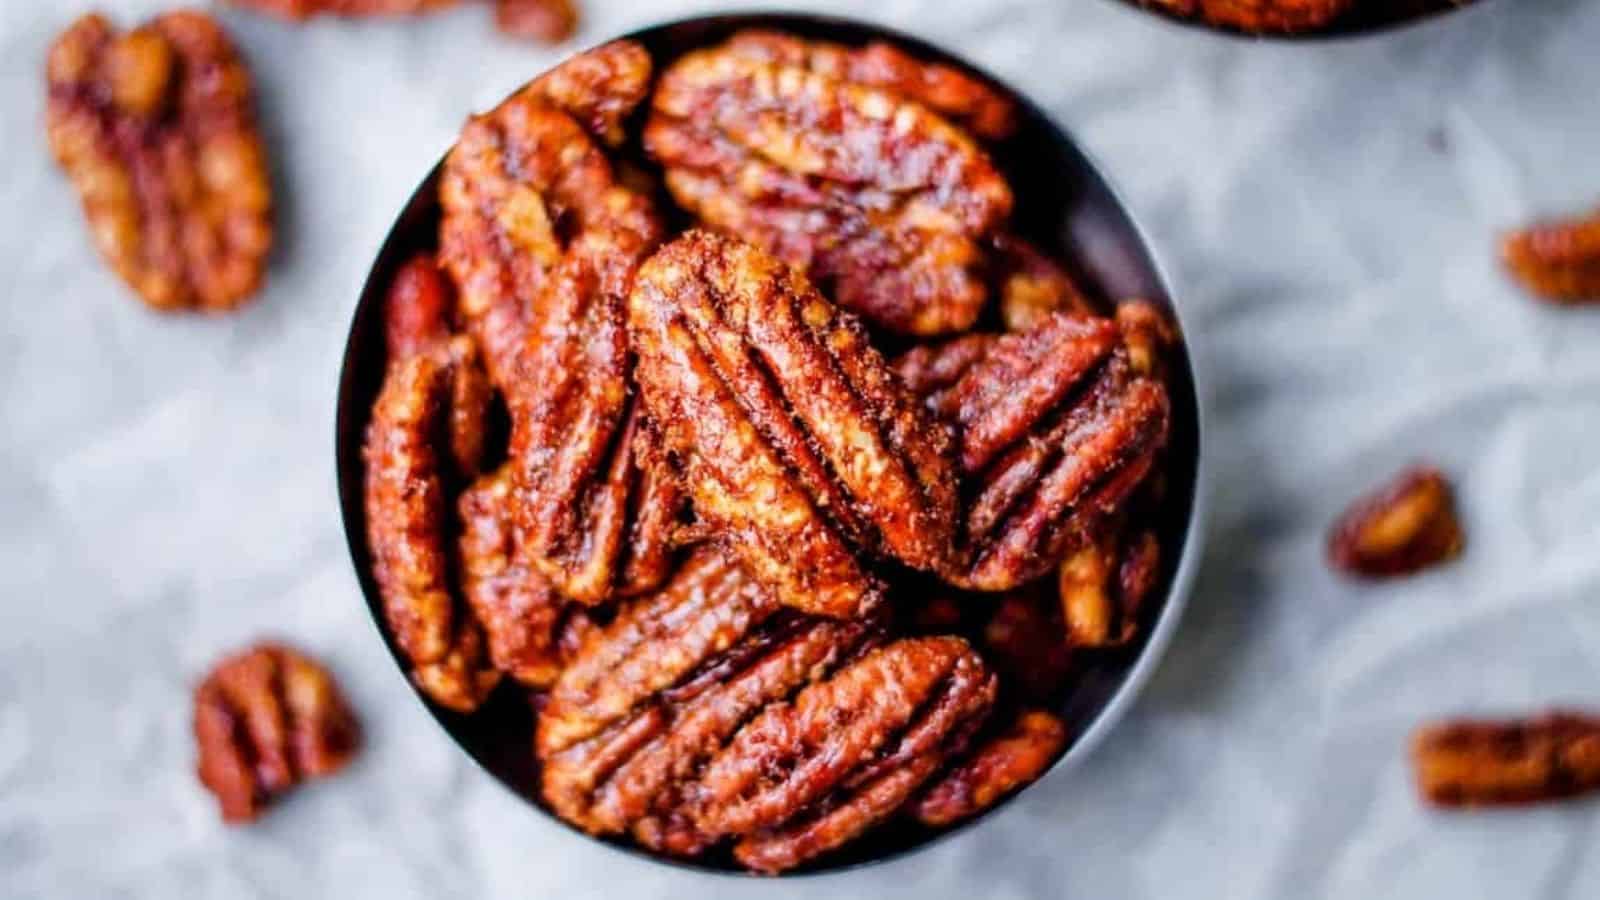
(1557, 260)
(266, 719)
(305, 9)
(798, 444)
(156, 129)
(1056, 429)
(600, 87)
(997, 767)
(1031, 286)
(551, 21)
(1261, 15)
(1405, 526)
(1499, 763)
(1103, 585)
(882, 202)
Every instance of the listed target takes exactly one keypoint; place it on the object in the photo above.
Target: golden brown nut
(997, 767)
(1031, 285)
(1499, 763)
(1149, 335)
(266, 719)
(1103, 585)
(1403, 527)
(879, 200)
(1056, 430)
(1558, 260)
(406, 524)
(550, 21)
(600, 87)
(156, 129)
(798, 444)
(949, 92)
(1261, 15)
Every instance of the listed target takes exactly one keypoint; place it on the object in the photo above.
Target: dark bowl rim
(1321, 38)
(348, 415)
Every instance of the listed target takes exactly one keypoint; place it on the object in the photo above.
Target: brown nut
(1261, 15)
(305, 9)
(997, 767)
(156, 129)
(1026, 641)
(1557, 260)
(1405, 526)
(266, 719)
(1104, 584)
(600, 87)
(1500, 763)
(1056, 430)
(880, 201)
(1031, 286)
(550, 21)
(797, 443)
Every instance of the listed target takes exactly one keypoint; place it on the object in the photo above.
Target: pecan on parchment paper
(156, 129)
(1405, 526)
(799, 446)
(882, 202)
(1260, 15)
(1056, 429)
(1557, 260)
(1473, 762)
(266, 719)
(994, 769)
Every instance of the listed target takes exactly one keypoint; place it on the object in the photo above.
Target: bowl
(1067, 207)
(1399, 15)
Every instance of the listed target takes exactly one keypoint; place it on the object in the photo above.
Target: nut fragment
(156, 129)
(1404, 527)
(882, 202)
(1031, 285)
(798, 444)
(1103, 585)
(266, 719)
(1261, 15)
(1559, 261)
(997, 767)
(1500, 763)
(1056, 430)
(551, 21)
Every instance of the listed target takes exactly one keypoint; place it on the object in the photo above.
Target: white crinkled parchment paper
(1328, 214)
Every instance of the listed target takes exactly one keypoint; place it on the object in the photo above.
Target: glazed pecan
(1103, 585)
(954, 94)
(1261, 15)
(1405, 526)
(156, 129)
(798, 444)
(1031, 286)
(305, 9)
(600, 87)
(882, 202)
(551, 21)
(1500, 763)
(266, 719)
(997, 767)
(406, 530)
(1149, 335)
(1559, 260)
(1056, 429)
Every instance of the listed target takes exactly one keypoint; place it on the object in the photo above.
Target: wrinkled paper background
(1328, 215)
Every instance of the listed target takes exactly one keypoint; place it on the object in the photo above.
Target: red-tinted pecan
(1103, 585)
(600, 87)
(1261, 15)
(880, 201)
(798, 444)
(1500, 763)
(1558, 260)
(266, 719)
(997, 767)
(156, 129)
(1405, 526)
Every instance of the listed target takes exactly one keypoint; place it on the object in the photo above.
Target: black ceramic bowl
(1373, 17)
(1062, 202)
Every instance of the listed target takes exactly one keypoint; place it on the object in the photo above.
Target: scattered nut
(1558, 261)
(1404, 527)
(1499, 763)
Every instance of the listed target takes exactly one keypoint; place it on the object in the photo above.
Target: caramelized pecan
(1500, 763)
(997, 767)
(266, 719)
(1261, 15)
(305, 9)
(798, 444)
(156, 129)
(600, 87)
(882, 202)
(1405, 526)
(1558, 260)
(551, 21)
(1103, 585)
(1031, 285)
(1056, 429)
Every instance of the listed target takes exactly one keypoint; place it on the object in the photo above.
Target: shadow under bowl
(1063, 203)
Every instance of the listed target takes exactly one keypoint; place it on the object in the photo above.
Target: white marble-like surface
(1328, 215)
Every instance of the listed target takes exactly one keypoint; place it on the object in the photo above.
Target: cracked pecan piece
(798, 445)
(156, 129)
(996, 768)
(879, 200)
(1031, 286)
(1055, 430)
(1470, 762)
(1405, 526)
(1103, 586)
(266, 719)
(1260, 15)
(1558, 260)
